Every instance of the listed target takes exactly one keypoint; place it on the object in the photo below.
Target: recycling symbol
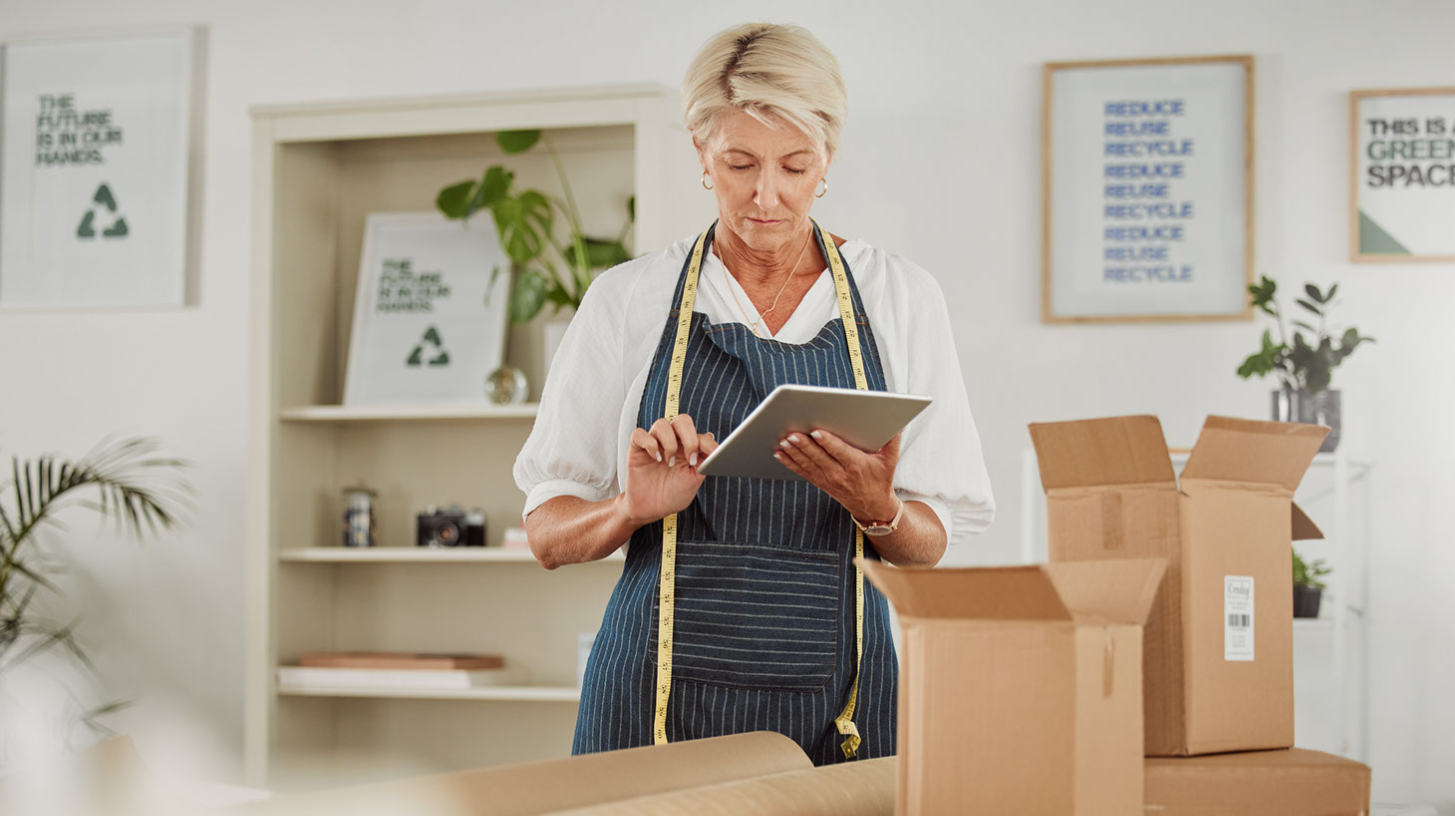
(431, 338)
(117, 226)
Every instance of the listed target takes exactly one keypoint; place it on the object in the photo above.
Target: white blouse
(590, 401)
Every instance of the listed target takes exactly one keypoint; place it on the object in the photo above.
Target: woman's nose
(766, 196)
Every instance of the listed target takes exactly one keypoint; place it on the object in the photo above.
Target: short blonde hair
(766, 70)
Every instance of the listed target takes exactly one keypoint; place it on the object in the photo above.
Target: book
(401, 660)
(301, 677)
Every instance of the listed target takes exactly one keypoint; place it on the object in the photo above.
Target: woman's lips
(761, 221)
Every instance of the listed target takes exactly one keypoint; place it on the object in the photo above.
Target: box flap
(988, 593)
(1304, 528)
(1246, 450)
(1099, 452)
(1116, 590)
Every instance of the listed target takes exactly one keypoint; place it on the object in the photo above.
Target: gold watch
(882, 528)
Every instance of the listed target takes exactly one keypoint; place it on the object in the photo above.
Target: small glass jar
(360, 525)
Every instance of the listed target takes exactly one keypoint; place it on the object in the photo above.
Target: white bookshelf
(318, 170)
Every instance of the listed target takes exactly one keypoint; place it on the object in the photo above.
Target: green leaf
(517, 141)
(1312, 308)
(600, 253)
(1313, 292)
(1329, 295)
(1263, 293)
(1262, 363)
(454, 200)
(527, 297)
(493, 188)
(524, 221)
(1303, 325)
(631, 208)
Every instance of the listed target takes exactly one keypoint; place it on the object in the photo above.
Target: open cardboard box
(1020, 688)
(760, 772)
(1218, 649)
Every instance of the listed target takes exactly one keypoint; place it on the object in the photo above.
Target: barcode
(1238, 622)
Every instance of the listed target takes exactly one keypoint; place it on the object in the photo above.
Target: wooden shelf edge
(416, 555)
(534, 694)
(407, 413)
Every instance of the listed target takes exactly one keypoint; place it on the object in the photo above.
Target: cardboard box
(1020, 688)
(1218, 652)
(557, 785)
(1260, 783)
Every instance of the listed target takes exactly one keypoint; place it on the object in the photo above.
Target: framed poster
(1147, 190)
(1402, 174)
(428, 323)
(95, 150)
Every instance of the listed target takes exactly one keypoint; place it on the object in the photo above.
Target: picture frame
(1402, 175)
(429, 323)
(1147, 190)
(99, 168)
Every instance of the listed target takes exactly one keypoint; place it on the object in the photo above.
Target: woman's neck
(754, 268)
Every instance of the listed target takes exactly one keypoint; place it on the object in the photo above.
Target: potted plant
(122, 476)
(544, 268)
(1305, 366)
(1307, 588)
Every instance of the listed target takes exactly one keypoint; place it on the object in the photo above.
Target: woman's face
(764, 178)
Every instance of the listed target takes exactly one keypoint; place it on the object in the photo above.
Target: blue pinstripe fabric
(764, 636)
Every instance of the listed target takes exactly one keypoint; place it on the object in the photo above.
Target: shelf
(418, 555)
(422, 411)
(538, 694)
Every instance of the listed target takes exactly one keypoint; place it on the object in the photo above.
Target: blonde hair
(766, 70)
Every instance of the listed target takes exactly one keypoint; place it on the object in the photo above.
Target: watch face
(878, 530)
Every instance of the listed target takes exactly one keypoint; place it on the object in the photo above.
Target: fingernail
(777, 455)
(784, 444)
(816, 434)
(659, 456)
(672, 462)
(795, 439)
(692, 460)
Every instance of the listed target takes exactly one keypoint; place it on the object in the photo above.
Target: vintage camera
(450, 527)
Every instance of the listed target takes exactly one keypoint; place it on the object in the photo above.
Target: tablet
(864, 419)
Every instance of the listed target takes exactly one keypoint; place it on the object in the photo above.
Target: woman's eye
(795, 172)
(740, 167)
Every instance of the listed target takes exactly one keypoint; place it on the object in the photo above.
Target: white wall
(941, 162)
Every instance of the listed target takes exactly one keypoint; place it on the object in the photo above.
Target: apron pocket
(753, 617)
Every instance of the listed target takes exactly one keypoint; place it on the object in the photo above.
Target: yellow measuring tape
(845, 721)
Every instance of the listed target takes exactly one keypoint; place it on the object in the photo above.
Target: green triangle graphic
(1373, 240)
(102, 198)
(431, 337)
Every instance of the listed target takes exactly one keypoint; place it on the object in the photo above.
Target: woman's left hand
(862, 482)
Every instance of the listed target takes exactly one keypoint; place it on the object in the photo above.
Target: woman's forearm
(572, 530)
(918, 541)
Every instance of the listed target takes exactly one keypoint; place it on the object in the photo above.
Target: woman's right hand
(662, 476)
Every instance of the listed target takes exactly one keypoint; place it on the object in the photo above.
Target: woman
(760, 619)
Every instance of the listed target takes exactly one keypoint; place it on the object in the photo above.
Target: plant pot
(1322, 408)
(1306, 601)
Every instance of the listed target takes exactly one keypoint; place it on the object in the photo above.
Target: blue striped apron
(764, 635)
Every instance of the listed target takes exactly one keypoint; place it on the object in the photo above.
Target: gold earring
(705, 177)
(825, 188)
